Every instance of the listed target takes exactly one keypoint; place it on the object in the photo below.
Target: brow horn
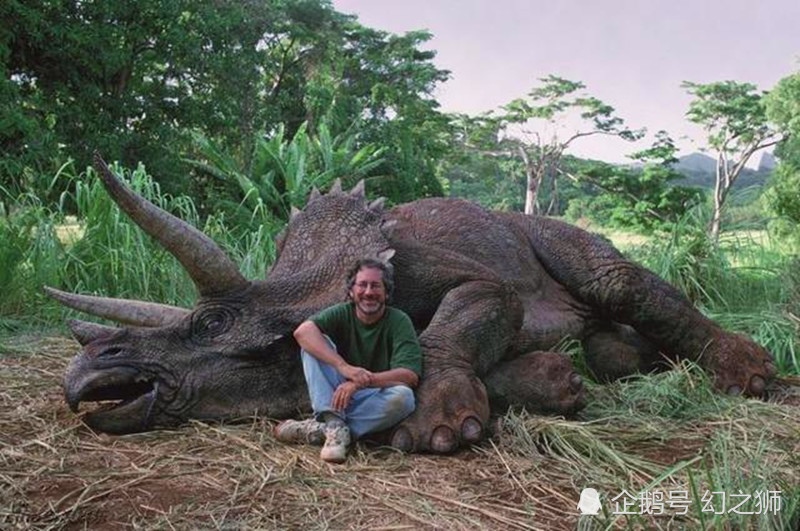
(126, 311)
(209, 267)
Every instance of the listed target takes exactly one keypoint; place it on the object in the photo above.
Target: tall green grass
(111, 256)
(748, 282)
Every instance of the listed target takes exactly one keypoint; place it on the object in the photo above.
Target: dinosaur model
(491, 293)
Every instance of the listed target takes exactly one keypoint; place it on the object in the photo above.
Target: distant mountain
(767, 162)
(696, 163)
(700, 170)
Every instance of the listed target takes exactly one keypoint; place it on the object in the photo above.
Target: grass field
(663, 433)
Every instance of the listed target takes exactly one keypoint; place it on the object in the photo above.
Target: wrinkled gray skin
(489, 292)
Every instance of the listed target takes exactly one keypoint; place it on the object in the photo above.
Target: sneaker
(337, 440)
(308, 431)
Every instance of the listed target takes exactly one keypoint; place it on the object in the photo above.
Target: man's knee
(402, 402)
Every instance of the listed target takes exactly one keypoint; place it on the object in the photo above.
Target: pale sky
(632, 54)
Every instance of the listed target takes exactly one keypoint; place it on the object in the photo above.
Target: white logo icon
(590, 501)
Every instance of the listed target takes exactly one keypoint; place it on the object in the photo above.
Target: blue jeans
(371, 409)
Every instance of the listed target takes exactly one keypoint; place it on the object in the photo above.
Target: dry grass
(55, 473)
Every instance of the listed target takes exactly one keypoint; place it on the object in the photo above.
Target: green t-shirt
(391, 343)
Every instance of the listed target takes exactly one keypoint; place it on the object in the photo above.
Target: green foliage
(783, 104)
(30, 255)
(519, 132)
(282, 172)
(665, 432)
(102, 252)
(643, 199)
(783, 108)
(732, 113)
(134, 80)
(557, 96)
(746, 285)
(784, 194)
(688, 259)
(734, 117)
(109, 258)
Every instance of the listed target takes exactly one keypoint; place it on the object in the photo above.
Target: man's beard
(371, 306)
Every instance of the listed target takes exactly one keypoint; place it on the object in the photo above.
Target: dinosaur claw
(472, 430)
(443, 440)
(575, 382)
(734, 390)
(757, 385)
(402, 440)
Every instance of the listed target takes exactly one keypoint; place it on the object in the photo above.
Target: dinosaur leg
(468, 335)
(613, 350)
(541, 382)
(619, 290)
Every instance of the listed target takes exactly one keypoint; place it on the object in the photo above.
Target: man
(361, 360)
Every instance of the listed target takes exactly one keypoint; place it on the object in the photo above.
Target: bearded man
(361, 360)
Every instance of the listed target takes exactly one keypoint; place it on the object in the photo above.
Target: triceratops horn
(314, 194)
(138, 313)
(209, 267)
(336, 188)
(86, 332)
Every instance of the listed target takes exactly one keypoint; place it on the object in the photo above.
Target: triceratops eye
(212, 322)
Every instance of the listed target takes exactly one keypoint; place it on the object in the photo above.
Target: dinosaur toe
(443, 440)
(471, 430)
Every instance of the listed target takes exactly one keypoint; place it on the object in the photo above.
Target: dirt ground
(55, 473)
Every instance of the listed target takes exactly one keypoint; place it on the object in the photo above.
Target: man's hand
(343, 394)
(358, 375)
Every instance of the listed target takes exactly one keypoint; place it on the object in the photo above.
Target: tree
(734, 118)
(642, 198)
(783, 109)
(283, 171)
(549, 104)
(386, 83)
(135, 80)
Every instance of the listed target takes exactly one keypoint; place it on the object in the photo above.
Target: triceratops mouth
(125, 399)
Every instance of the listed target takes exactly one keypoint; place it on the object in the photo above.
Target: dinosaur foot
(542, 382)
(738, 364)
(452, 409)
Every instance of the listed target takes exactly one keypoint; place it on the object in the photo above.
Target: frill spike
(377, 205)
(388, 226)
(359, 190)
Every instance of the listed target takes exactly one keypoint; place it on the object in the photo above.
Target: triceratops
(489, 292)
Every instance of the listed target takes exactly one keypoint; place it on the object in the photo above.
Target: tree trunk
(716, 217)
(552, 207)
(532, 193)
(533, 180)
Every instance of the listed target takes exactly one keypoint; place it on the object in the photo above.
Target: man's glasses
(362, 286)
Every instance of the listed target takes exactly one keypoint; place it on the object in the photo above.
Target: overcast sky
(633, 54)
